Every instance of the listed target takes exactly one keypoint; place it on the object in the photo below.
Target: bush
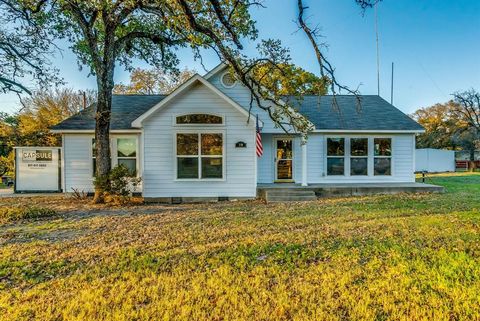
(118, 185)
(10, 214)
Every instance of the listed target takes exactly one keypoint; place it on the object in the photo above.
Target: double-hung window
(335, 156)
(199, 155)
(358, 156)
(127, 154)
(126, 149)
(382, 162)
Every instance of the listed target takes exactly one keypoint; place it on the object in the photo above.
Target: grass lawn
(397, 257)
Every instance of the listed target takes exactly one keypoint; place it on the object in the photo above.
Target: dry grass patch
(397, 257)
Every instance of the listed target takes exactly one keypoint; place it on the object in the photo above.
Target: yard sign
(37, 169)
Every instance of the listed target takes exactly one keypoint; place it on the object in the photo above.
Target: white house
(198, 142)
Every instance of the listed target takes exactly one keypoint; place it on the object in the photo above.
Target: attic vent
(228, 81)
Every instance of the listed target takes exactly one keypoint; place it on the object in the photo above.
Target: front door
(284, 159)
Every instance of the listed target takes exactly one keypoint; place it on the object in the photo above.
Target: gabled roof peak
(137, 123)
(220, 67)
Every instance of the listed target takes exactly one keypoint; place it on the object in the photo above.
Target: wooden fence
(466, 165)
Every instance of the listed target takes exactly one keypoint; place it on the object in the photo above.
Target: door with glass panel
(283, 159)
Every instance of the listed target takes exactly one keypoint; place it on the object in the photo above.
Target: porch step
(289, 195)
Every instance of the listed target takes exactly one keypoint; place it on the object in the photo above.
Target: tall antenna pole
(391, 89)
(378, 54)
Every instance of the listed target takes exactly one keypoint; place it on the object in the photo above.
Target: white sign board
(37, 169)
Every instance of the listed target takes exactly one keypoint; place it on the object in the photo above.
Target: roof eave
(215, 70)
(89, 131)
(383, 131)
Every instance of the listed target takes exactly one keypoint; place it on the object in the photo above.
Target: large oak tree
(106, 33)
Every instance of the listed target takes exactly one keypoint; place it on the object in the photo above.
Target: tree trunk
(471, 163)
(102, 124)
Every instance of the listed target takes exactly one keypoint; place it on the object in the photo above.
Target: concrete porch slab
(347, 189)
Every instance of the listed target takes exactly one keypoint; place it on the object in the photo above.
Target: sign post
(37, 169)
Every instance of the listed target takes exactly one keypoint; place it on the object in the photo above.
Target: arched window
(199, 119)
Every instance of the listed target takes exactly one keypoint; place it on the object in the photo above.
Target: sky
(435, 47)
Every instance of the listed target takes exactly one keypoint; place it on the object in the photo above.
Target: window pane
(383, 146)
(212, 144)
(130, 164)
(335, 146)
(126, 147)
(359, 146)
(187, 144)
(358, 166)
(94, 166)
(187, 167)
(382, 166)
(335, 166)
(284, 169)
(212, 167)
(284, 149)
(199, 119)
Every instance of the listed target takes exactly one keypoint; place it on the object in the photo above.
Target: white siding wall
(315, 158)
(265, 167)
(403, 146)
(241, 95)
(159, 138)
(78, 164)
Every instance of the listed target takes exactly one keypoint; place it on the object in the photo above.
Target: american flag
(259, 145)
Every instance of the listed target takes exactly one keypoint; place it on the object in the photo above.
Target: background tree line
(452, 125)
(30, 125)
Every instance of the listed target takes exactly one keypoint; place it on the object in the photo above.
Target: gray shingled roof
(125, 109)
(374, 113)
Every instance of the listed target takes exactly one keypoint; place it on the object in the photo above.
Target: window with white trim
(127, 154)
(358, 156)
(199, 155)
(228, 80)
(382, 162)
(335, 156)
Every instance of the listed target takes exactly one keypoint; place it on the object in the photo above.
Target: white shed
(434, 160)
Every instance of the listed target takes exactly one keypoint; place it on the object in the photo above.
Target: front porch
(297, 192)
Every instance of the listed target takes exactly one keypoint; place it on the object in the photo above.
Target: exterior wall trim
(367, 131)
(92, 131)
